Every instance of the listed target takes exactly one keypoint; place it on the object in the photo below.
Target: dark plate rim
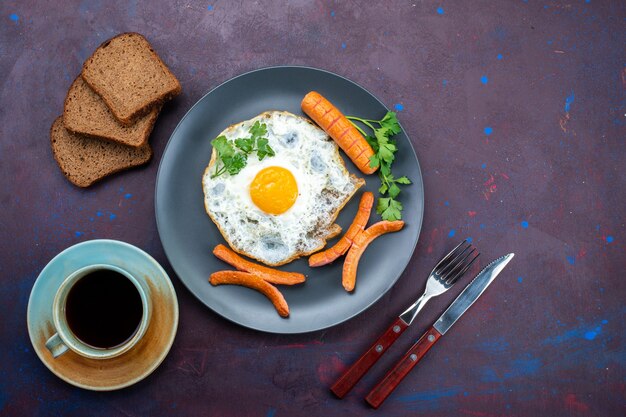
(392, 282)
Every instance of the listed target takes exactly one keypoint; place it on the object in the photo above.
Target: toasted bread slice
(129, 76)
(85, 113)
(85, 160)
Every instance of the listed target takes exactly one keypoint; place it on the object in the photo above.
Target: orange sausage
(271, 275)
(252, 281)
(362, 240)
(338, 127)
(357, 226)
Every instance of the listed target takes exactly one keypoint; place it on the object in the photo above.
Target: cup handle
(56, 346)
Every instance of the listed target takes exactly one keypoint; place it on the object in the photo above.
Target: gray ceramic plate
(188, 234)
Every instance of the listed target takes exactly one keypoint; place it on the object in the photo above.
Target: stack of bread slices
(110, 110)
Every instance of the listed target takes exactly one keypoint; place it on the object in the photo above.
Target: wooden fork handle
(393, 378)
(369, 358)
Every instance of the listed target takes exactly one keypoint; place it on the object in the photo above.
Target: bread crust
(129, 118)
(76, 181)
(331, 231)
(153, 115)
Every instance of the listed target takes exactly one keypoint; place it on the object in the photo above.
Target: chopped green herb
(384, 154)
(234, 154)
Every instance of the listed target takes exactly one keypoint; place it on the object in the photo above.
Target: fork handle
(369, 358)
(393, 378)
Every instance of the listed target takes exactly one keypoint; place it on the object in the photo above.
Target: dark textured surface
(516, 110)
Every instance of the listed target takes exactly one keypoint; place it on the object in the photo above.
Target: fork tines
(456, 263)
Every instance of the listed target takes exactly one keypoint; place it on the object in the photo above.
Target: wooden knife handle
(393, 378)
(369, 358)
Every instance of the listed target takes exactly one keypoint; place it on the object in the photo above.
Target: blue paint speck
(332, 14)
(451, 233)
(445, 82)
(91, 219)
(483, 166)
(488, 130)
(482, 226)
(446, 203)
(524, 366)
(465, 394)
(609, 239)
(520, 279)
(605, 321)
(597, 227)
(343, 45)
(469, 240)
(524, 224)
(99, 213)
(484, 79)
(587, 1)
(590, 335)
(440, 10)
(209, 8)
(121, 189)
(571, 260)
(112, 216)
(569, 100)
(127, 196)
(398, 107)
(429, 397)
(14, 17)
(271, 412)
(499, 57)
(79, 234)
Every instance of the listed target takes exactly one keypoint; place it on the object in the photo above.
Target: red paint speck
(491, 187)
(581, 253)
(471, 213)
(299, 345)
(329, 370)
(503, 175)
(433, 238)
(572, 403)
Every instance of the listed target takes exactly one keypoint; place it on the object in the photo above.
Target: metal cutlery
(443, 276)
(463, 302)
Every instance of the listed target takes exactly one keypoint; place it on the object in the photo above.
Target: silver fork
(443, 276)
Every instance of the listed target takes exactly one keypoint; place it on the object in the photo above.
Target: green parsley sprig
(234, 154)
(384, 154)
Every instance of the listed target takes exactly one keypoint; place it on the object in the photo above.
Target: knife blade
(471, 293)
(458, 307)
(443, 276)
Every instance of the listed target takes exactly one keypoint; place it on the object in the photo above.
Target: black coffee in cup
(104, 309)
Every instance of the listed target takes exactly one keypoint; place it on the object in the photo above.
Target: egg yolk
(274, 190)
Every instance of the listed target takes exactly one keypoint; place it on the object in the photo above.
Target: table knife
(464, 301)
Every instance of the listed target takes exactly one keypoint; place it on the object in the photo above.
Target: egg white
(324, 186)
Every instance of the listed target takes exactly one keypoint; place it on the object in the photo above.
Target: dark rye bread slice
(85, 160)
(85, 113)
(129, 76)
